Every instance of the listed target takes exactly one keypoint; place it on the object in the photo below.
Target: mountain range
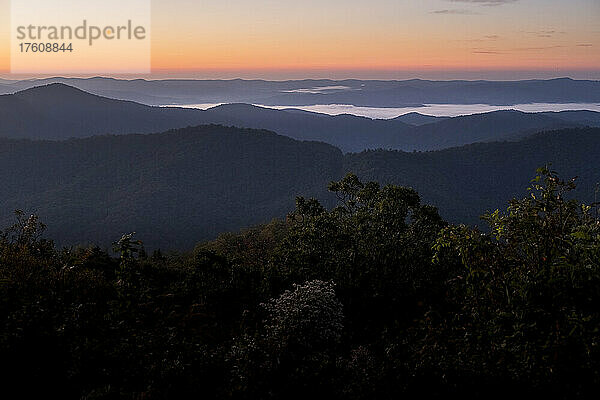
(94, 168)
(182, 186)
(367, 93)
(58, 111)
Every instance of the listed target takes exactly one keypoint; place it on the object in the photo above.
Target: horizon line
(136, 77)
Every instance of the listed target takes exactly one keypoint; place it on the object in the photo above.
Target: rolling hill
(418, 119)
(492, 126)
(183, 186)
(173, 188)
(583, 117)
(58, 111)
(465, 182)
(348, 132)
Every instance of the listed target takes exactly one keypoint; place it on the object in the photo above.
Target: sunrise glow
(382, 38)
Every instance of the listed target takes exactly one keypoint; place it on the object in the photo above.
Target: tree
(376, 246)
(293, 354)
(524, 310)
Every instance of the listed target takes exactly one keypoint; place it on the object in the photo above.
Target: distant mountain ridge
(367, 93)
(418, 119)
(487, 127)
(58, 111)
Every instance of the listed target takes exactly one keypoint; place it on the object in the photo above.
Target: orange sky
(261, 37)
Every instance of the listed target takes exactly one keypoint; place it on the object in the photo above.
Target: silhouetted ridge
(58, 111)
(54, 89)
(367, 93)
(415, 118)
(176, 187)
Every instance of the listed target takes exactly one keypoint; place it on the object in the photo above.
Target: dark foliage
(375, 298)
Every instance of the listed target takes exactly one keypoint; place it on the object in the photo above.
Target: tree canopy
(377, 297)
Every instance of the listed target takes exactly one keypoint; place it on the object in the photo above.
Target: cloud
(483, 39)
(547, 33)
(538, 48)
(455, 12)
(485, 2)
(487, 52)
(492, 50)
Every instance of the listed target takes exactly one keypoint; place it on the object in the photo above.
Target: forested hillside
(465, 182)
(173, 188)
(199, 182)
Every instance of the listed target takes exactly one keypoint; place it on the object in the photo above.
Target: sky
(367, 39)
